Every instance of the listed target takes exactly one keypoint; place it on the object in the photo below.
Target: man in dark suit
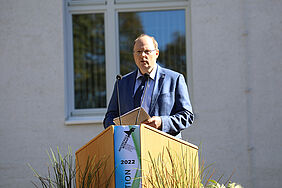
(166, 99)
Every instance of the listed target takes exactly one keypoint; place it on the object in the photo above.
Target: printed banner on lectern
(127, 156)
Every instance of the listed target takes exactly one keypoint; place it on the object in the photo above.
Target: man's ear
(157, 53)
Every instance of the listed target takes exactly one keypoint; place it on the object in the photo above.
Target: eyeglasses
(147, 52)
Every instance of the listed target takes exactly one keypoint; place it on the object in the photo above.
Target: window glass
(168, 28)
(89, 61)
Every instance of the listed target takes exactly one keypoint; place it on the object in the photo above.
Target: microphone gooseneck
(147, 79)
(118, 77)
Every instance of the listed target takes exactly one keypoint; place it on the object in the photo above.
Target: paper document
(129, 118)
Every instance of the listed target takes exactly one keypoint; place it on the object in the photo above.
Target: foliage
(165, 171)
(62, 172)
(177, 172)
(214, 184)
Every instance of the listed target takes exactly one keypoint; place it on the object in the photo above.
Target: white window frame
(110, 8)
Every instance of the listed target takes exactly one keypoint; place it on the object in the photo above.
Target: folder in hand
(129, 118)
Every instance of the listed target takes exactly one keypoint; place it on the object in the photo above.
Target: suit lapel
(157, 88)
(131, 83)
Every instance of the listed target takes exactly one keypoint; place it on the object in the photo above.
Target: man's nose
(143, 53)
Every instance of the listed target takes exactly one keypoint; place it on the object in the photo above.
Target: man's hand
(155, 122)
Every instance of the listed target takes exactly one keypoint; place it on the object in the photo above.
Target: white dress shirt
(148, 96)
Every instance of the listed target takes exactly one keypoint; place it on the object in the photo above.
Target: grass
(172, 170)
(61, 172)
(167, 170)
(176, 170)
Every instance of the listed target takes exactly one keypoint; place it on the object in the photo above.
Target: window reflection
(89, 61)
(168, 28)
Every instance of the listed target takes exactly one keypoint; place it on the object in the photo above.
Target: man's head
(145, 53)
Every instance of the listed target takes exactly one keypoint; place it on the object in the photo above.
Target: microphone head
(119, 77)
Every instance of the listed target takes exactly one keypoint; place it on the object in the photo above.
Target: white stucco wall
(219, 86)
(32, 90)
(237, 86)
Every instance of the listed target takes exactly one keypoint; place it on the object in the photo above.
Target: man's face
(145, 54)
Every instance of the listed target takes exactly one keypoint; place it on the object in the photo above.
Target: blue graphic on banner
(127, 156)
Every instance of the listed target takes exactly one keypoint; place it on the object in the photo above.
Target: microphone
(147, 77)
(118, 77)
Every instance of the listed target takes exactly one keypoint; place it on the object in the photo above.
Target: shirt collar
(152, 74)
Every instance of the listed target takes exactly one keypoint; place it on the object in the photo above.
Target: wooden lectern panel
(152, 141)
(101, 148)
(157, 143)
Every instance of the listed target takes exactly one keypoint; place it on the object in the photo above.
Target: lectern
(127, 153)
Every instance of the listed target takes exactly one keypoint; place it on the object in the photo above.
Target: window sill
(84, 120)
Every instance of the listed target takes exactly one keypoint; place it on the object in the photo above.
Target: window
(89, 61)
(99, 43)
(168, 28)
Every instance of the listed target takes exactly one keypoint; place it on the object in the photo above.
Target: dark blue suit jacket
(170, 100)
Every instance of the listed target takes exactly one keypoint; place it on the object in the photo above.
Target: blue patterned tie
(139, 92)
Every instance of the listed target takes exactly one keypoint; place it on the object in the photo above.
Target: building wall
(236, 89)
(32, 90)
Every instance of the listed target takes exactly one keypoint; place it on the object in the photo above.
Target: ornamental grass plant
(175, 171)
(167, 170)
(62, 171)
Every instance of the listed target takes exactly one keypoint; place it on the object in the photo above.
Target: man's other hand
(155, 122)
